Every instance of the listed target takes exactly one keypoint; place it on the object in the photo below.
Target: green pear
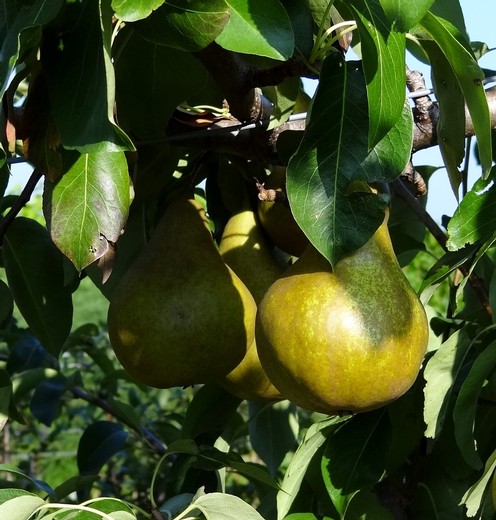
(180, 316)
(350, 339)
(246, 250)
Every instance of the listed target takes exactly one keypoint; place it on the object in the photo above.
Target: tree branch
(20, 202)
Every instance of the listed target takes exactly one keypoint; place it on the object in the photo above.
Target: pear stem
(476, 283)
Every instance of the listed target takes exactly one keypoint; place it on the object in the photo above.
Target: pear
(277, 219)
(350, 339)
(246, 250)
(180, 316)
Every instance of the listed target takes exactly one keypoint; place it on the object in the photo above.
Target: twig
(476, 283)
(106, 407)
(20, 202)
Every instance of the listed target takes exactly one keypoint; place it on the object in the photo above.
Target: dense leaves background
(109, 101)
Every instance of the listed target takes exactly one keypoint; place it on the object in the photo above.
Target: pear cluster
(348, 339)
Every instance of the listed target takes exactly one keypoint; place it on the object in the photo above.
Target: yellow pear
(345, 340)
(246, 250)
(180, 316)
(278, 221)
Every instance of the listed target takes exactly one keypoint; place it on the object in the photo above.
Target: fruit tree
(221, 293)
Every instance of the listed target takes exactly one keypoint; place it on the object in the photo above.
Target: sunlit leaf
(220, 506)
(475, 495)
(383, 53)
(87, 208)
(333, 160)
(186, 25)
(466, 405)
(132, 10)
(469, 75)
(260, 27)
(405, 14)
(36, 277)
(474, 220)
(440, 374)
(313, 439)
(80, 78)
(451, 124)
(20, 507)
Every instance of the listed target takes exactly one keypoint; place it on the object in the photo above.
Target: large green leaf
(19, 30)
(20, 507)
(133, 10)
(260, 27)
(451, 124)
(355, 456)
(333, 159)
(99, 442)
(405, 14)
(469, 75)
(272, 431)
(220, 506)
(440, 375)
(467, 404)
(147, 98)
(383, 53)
(313, 439)
(474, 220)
(36, 277)
(474, 496)
(185, 25)
(87, 207)
(80, 80)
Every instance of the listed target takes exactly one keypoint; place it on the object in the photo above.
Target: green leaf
(220, 506)
(20, 507)
(313, 439)
(355, 456)
(405, 14)
(6, 302)
(18, 23)
(87, 207)
(451, 123)
(45, 402)
(80, 80)
(383, 53)
(466, 405)
(5, 397)
(36, 277)
(209, 411)
(333, 160)
(475, 494)
(38, 484)
(273, 431)
(99, 442)
(185, 25)
(133, 10)
(72, 485)
(474, 220)
(259, 27)
(147, 98)
(469, 75)
(365, 504)
(440, 375)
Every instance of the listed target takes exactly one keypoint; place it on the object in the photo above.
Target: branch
(20, 202)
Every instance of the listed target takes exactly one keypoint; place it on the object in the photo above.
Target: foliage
(122, 104)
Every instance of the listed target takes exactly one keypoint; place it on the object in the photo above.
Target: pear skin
(180, 316)
(350, 339)
(246, 250)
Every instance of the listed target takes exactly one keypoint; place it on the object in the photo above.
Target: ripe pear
(180, 316)
(350, 339)
(246, 250)
(278, 221)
